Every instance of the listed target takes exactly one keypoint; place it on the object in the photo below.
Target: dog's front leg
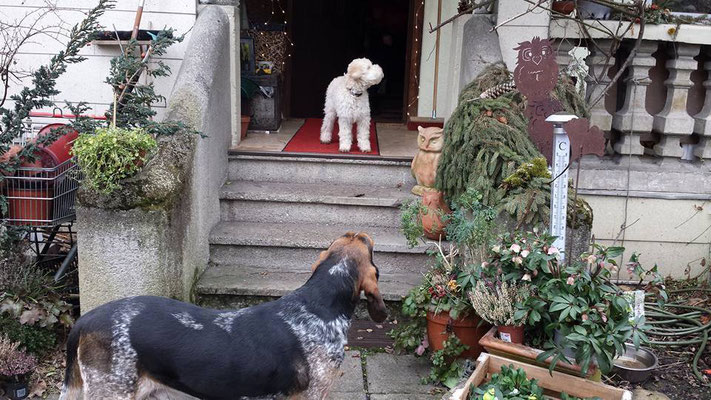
(364, 134)
(345, 134)
(327, 126)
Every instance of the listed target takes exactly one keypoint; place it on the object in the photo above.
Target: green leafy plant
(508, 384)
(513, 384)
(112, 155)
(446, 369)
(34, 339)
(446, 285)
(577, 309)
(410, 222)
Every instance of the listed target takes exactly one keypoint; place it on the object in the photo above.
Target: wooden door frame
(412, 58)
(413, 50)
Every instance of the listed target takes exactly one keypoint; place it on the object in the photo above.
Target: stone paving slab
(349, 385)
(397, 375)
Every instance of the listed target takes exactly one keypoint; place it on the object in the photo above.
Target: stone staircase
(278, 212)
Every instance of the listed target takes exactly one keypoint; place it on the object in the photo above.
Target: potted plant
(442, 319)
(15, 366)
(249, 89)
(496, 302)
(579, 314)
(112, 155)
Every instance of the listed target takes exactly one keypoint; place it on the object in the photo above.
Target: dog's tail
(73, 382)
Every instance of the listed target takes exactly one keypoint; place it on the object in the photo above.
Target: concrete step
(309, 169)
(294, 247)
(280, 202)
(257, 282)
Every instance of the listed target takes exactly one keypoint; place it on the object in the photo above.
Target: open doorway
(328, 34)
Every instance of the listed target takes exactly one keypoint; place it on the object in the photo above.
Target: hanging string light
(416, 64)
(272, 16)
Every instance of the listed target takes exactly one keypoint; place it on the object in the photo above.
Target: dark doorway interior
(328, 34)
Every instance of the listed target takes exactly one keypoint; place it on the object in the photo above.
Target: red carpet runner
(306, 140)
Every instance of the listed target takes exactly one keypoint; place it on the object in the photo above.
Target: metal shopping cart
(41, 195)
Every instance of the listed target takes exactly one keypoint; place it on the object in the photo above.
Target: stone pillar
(597, 82)
(702, 120)
(633, 120)
(453, 83)
(232, 9)
(673, 123)
(563, 57)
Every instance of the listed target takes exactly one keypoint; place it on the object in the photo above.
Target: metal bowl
(635, 365)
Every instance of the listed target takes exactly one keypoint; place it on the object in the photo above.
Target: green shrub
(36, 340)
(112, 155)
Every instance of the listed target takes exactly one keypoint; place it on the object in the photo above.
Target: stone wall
(150, 237)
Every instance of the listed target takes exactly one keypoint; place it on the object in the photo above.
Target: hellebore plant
(578, 309)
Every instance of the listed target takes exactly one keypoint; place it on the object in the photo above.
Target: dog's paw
(344, 149)
(325, 141)
(364, 149)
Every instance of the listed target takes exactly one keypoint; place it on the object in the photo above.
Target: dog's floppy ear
(321, 257)
(376, 305)
(355, 71)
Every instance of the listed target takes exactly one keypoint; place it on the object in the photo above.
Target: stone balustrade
(661, 123)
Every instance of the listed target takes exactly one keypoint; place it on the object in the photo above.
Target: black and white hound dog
(157, 348)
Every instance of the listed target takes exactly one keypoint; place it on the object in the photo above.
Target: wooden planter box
(552, 384)
(493, 345)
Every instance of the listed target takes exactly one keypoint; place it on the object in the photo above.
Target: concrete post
(673, 123)
(598, 80)
(702, 120)
(632, 119)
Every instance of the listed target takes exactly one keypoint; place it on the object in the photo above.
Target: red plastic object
(32, 206)
(60, 150)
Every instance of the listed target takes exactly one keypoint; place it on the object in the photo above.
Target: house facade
(649, 194)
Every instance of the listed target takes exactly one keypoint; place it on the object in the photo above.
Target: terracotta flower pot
(564, 7)
(467, 329)
(29, 206)
(435, 209)
(245, 126)
(510, 333)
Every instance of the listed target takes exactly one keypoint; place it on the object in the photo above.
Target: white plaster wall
(519, 29)
(427, 59)
(85, 81)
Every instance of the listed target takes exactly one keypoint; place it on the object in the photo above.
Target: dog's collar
(355, 93)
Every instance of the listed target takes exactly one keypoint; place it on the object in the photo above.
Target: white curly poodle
(347, 99)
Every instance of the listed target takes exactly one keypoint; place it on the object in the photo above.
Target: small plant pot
(244, 126)
(468, 330)
(432, 218)
(564, 7)
(16, 391)
(510, 333)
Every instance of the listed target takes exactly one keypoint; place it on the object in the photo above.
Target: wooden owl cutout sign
(536, 76)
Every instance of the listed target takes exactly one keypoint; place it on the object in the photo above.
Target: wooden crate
(553, 385)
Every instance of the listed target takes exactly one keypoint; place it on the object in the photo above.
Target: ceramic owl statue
(424, 165)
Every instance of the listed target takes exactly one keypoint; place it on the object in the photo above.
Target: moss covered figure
(487, 148)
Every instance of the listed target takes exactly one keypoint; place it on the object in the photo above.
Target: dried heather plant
(13, 361)
(496, 303)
